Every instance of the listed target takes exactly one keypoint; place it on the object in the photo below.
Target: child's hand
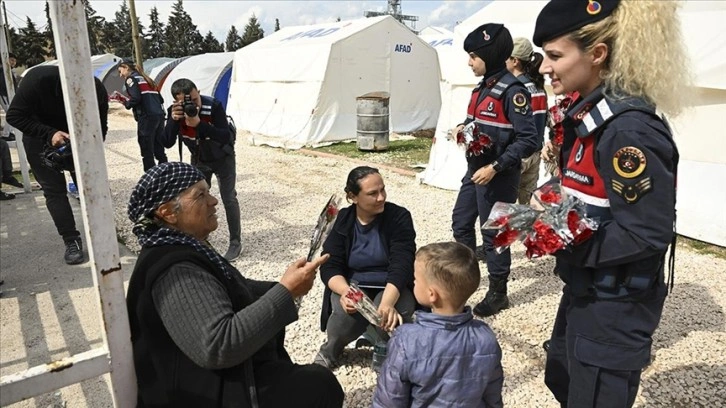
(390, 318)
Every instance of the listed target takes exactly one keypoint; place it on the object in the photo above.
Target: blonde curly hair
(647, 57)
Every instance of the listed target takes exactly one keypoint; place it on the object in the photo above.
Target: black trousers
(477, 201)
(150, 131)
(285, 384)
(599, 347)
(54, 190)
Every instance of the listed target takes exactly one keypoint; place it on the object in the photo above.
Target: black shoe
(74, 252)
(495, 300)
(6, 196)
(233, 252)
(546, 345)
(12, 181)
(480, 253)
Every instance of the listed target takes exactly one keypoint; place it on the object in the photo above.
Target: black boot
(496, 298)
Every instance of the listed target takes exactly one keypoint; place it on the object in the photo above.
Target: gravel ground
(281, 194)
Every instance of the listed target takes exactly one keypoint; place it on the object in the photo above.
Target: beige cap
(522, 49)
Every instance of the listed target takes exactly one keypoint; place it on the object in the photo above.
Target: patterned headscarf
(161, 184)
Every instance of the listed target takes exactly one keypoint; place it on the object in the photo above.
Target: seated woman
(372, 242)
(202, 334)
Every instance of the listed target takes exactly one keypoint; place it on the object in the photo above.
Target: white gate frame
(115, 357)
(10, 86)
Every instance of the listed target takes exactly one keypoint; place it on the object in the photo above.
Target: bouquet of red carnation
(117, 96)
(513, 222)
(556, 116)
(363, 304)
(326, 219)
(561, 223)
(474, 142)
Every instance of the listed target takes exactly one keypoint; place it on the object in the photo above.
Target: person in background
(6, 171)
(501, 108)
(618, 156)
(372, 242)
(524, 64)
(202, 126)
(7, 134)
(38, 110)
(446, 358)
(202, 334)
(148, 108)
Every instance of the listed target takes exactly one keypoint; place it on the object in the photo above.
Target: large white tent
(702, 170)
(97, 62)
(210, 72)
(298, 87)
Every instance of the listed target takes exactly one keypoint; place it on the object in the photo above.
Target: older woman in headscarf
(202, 334)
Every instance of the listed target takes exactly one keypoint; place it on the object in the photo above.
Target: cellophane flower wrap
(473, 141)
(558, 222)
(326, 219)
(363, 304)
(556, 115)
(513, 222)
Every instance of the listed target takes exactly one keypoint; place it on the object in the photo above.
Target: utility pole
(6, 27)
(135, 34)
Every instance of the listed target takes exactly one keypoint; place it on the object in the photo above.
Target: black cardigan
(397, 232)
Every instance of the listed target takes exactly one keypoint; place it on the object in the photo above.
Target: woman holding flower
(372, 242)
(618, 156)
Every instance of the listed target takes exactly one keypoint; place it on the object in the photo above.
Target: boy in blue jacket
(446, 358)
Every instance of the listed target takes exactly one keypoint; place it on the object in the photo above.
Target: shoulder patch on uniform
(519, 99)
(129, 82)
(631, 193)
(629, 162)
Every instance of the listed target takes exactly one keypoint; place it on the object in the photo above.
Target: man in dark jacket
(39, 112)
(200, 122)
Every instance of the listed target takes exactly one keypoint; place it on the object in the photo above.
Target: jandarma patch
(593, 7)
(629, 162)
(519, 100)
(130, 82)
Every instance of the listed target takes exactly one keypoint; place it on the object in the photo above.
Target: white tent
(298, 87)
(97, 62)
(447, 164)
(702, 170)
(210, 73)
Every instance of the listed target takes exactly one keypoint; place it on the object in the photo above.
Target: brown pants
(528, 180)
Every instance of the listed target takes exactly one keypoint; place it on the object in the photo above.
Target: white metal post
(11, 93)
(79, 92)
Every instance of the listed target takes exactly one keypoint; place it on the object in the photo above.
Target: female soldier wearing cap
(500, 107)
(618, 156)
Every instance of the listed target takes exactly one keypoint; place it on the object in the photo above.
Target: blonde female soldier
(619, 157)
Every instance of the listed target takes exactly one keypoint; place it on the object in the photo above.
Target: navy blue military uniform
(619, 158)
(501, 108)
(149, 113)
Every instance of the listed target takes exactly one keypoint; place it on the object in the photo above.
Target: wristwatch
(496, 166)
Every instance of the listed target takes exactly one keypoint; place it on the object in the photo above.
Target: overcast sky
(218, 16)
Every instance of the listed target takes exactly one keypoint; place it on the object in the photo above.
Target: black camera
(58, 158)
(190, 108)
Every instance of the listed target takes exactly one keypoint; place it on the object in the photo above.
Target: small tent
(447, 163)
(210, 72)
(112, 81)
(97, 62)
(298, 87)
(152, 63)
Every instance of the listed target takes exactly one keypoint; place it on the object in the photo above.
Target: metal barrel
(373, 125)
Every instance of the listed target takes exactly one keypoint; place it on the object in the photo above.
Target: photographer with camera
(148, 109)
(200, 122)
(39, 112)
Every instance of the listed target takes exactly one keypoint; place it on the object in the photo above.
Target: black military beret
(128, 61)
(560, 17)
(482, 36)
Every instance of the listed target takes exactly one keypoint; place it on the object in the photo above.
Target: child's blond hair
(452, 267)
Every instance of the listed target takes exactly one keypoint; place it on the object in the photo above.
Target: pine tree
(182, 38)
(14, 41)
(210, 44)
(118, 32)
(155, 36)
(96, 29)
(31, 45)
(48, 33)
(234, 41)
(277, 24)
(253, 31)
